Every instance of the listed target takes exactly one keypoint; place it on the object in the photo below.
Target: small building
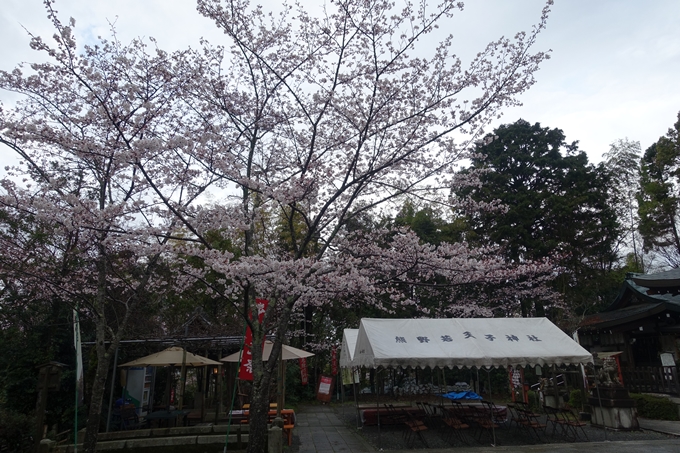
(643, 323)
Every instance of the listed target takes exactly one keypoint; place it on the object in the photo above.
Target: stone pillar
(275, 441)
(613, 408)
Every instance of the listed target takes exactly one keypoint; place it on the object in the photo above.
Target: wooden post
(40, 407)
(557, 391)
(219, 389)
(49, 379)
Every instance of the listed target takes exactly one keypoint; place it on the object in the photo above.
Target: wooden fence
(651, 379)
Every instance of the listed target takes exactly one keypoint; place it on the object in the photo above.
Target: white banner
(80, 388)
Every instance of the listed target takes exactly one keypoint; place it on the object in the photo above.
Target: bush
(534, 402)
(576, 400)
(15, 431)
(655, 407)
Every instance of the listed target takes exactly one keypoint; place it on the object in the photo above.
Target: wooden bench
(288, 416)
(288, 425)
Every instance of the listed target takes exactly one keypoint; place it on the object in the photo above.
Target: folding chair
(454, 424)
(394, 417)
(556, 420)
(531, 423)
(496, 417)
(415, 427)
(465, 414)
(430, 413)
(573, 424)
(484, 420)
(513, 410)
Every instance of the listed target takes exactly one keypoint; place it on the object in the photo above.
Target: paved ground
(319, 430)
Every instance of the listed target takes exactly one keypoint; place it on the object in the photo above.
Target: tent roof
(173, 356)
(349, 342)
(465, 342)
(287, 353)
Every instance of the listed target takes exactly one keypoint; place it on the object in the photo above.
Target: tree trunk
(103, 357)
(94, 415)
(259, 413)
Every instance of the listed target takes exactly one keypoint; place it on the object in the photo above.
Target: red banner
(303, 371)
(245, 372)
(334, 362)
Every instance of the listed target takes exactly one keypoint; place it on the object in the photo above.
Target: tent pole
(182, 379)
(152, 392)
(219, 391)
(377, 406)
(356, 401)
(441, 392)
(557, 391)
(169, 386)
(493, 425)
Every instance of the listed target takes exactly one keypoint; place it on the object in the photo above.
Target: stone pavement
(319, 430)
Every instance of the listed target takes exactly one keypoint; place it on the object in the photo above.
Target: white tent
(349, 341)
(464, 342)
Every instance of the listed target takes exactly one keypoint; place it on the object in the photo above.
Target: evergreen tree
(544, 200)
(660, 196)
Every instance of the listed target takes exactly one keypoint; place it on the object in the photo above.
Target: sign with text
(324, 389)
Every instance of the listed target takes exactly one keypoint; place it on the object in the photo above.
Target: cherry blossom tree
(80, 129)
(297, 125)
(320, 120)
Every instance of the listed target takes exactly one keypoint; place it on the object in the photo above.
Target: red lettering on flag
(303, 371)
(245, 372)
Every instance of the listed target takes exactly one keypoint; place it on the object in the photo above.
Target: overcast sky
(614, 71)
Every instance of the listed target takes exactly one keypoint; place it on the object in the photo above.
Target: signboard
(325, 389)
(667, 359)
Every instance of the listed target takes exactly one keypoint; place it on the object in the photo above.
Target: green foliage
(554, 205)
(655, 407)
(576, 399)
(659, 196)
(430, 225)
(534, 401)
(295, 391)
(15, 430)
(42, 332)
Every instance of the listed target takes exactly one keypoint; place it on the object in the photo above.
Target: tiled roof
(667, 279)
(622, 315)
(641, 295)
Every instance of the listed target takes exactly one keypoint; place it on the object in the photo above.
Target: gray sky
(613, 74)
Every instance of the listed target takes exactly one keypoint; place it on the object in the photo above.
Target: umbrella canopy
(174, 356)
(288, 353)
